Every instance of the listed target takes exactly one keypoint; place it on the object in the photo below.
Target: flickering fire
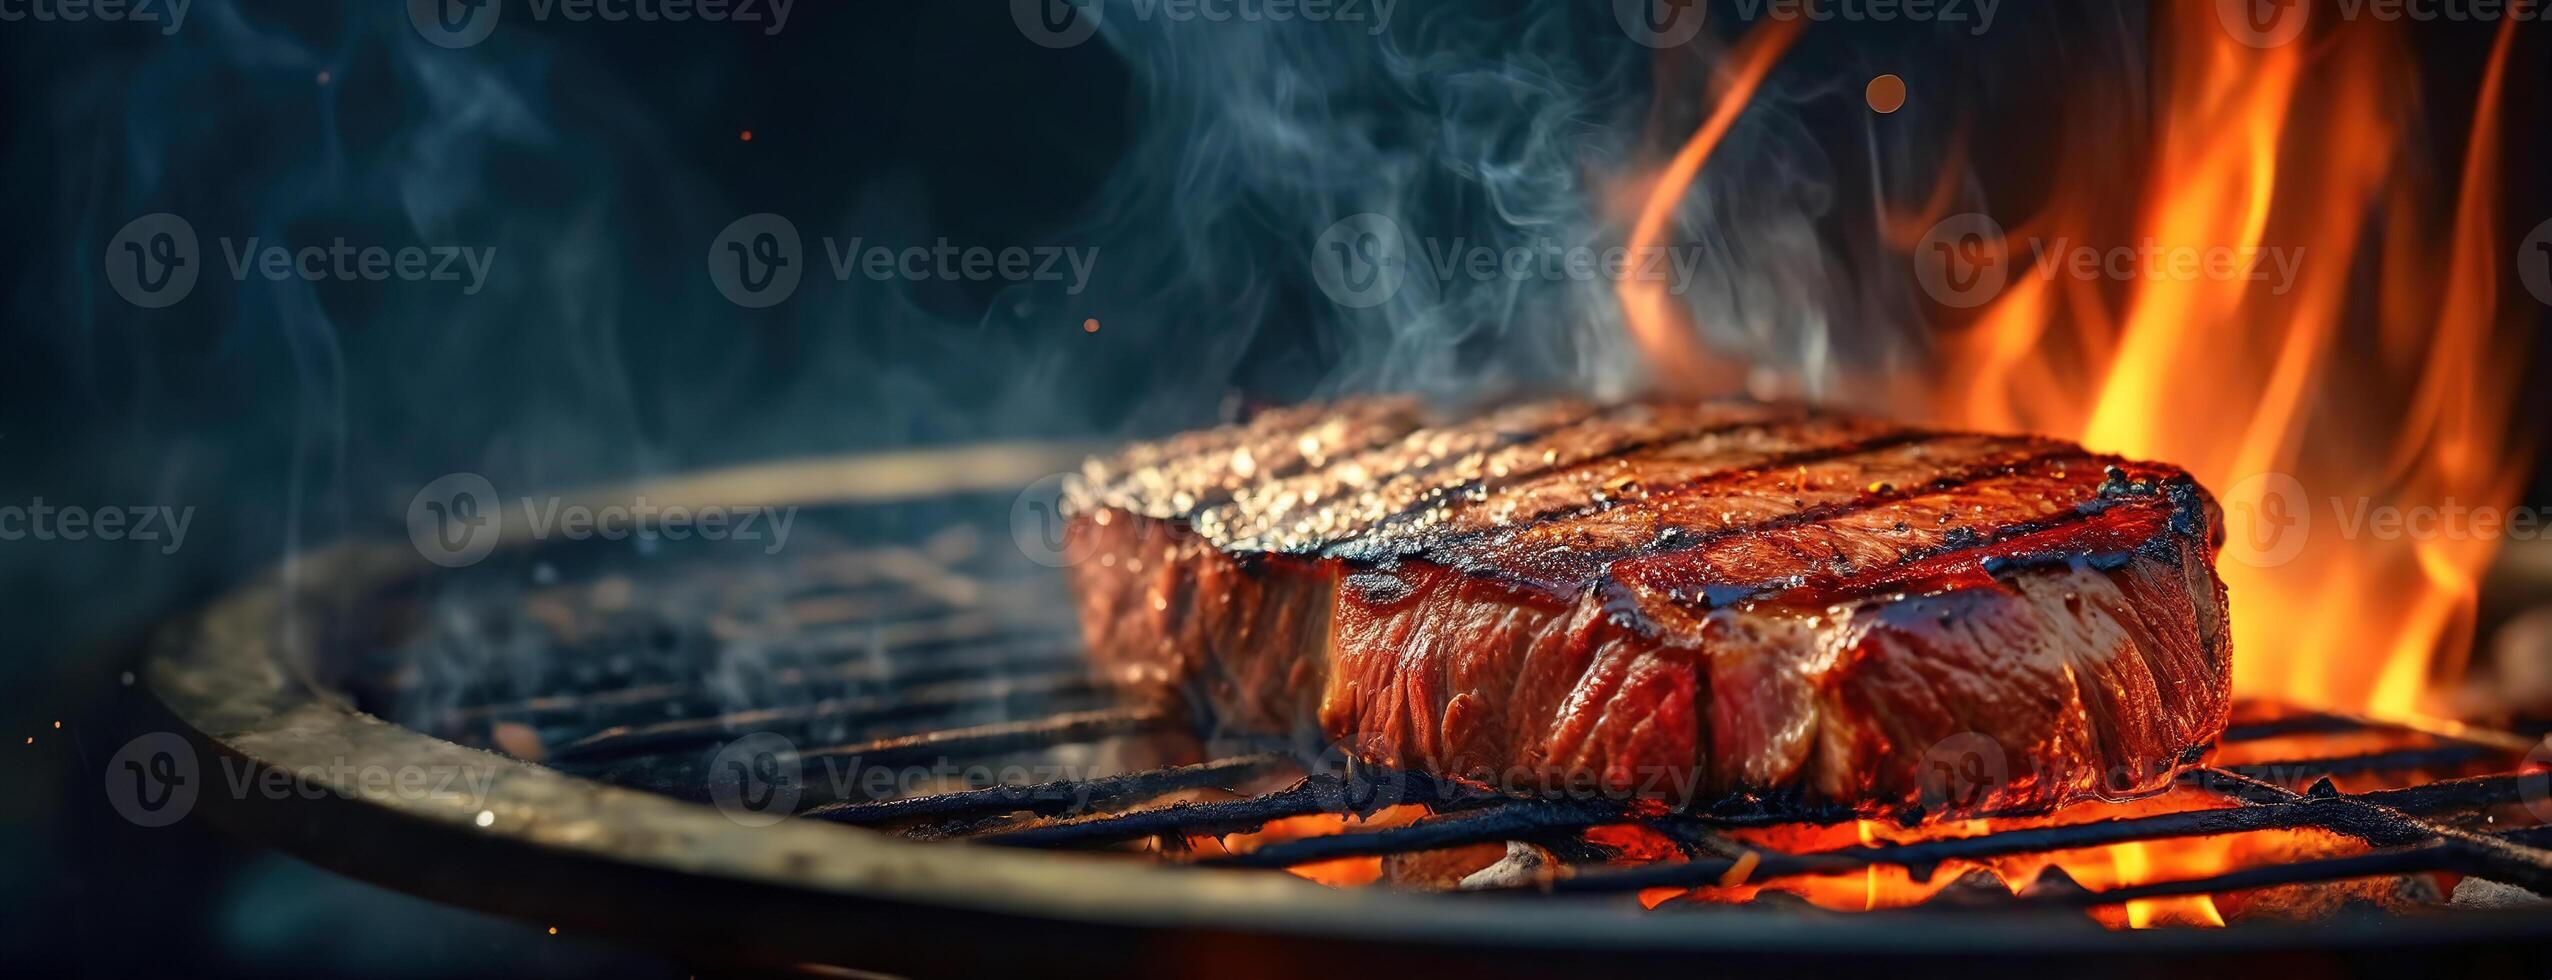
(2365, 370)
(2289, 411)
(1655, 319)
(2372, 373)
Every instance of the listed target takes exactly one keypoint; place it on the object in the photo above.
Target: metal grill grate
(887, 657)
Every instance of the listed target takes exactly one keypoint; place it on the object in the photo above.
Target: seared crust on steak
(1671, 600)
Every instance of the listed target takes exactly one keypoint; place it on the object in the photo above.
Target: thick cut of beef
(1692, 602)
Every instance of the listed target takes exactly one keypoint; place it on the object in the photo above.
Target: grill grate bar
(1057, 797)
(1494, 823)
(978, 741)
(1002, 696)
(862, 672)
(1315, 794)
(2269, 808)
(2403, 760)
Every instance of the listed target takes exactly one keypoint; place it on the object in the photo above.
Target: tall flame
(1656, 321)
(2304, 421)
(2348, 363)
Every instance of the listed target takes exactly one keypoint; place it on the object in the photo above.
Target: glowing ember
(1885, 93)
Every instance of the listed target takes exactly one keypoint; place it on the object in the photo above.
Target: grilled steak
(1694, 602)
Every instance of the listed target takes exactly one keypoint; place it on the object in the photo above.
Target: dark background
(600, 159)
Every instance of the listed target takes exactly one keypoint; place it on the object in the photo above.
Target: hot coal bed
(882, 749)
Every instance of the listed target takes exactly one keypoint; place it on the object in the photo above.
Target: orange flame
(1657, 322)
(2311, 399)
(2223, 323)
(2303, 422)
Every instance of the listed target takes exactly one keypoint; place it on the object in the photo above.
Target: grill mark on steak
(1417, 456)
(1556, 561)
(1183, 474)
(1343, 516)
(1442, 523)
(1837, 584)
(1444, 499)
(1868, 502)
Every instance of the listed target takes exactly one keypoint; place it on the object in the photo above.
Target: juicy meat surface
(1695, 602)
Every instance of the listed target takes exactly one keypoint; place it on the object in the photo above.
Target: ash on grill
(931, 691)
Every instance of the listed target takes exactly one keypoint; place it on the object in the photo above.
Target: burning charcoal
(2316, 901)
(1976, 888)
(1524, 864)
(2482, 893)
(2053, 881)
